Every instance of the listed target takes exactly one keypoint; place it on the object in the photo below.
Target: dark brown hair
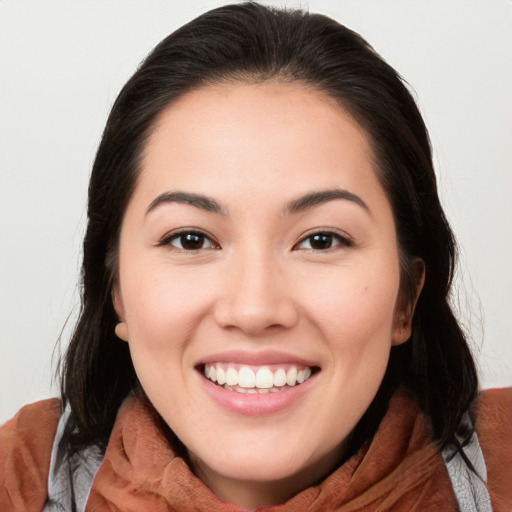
(250, 42)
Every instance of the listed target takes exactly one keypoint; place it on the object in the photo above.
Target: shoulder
(25, 449)
(493, 423)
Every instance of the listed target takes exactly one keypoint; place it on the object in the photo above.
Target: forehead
(268, 104)
(267, 137)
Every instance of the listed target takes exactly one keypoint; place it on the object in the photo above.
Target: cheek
(355, 316)
(162, 308)
(354, 311)
(354, 308)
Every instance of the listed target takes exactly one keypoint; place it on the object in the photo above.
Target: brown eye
(190, 241)
(323, 241)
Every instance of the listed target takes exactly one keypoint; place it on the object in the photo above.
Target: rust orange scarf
(400, 470)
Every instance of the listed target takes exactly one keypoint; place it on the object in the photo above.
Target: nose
(255, 297)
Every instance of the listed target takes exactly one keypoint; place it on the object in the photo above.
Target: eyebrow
(199, 201)
(324, 196)
(299, 205)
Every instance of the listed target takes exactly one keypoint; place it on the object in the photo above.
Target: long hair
(248, 43)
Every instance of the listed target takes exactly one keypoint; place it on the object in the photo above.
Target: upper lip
(256, 358)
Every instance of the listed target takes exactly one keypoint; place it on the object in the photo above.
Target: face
(258, 282)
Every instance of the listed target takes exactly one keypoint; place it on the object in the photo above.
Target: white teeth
(221, 376)
(264, 380)
(231, 377)
(291, 376)
(279, 378)
(253, 391)
(246, 377)
(303, 375)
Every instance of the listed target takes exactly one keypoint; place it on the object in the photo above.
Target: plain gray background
(62, 64)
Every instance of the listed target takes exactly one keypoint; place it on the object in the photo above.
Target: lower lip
(255, 404)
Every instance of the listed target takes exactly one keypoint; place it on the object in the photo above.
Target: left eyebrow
(198, 200)
(313, 199)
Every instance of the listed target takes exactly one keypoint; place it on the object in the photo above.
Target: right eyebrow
(313, 199)
(199, 201)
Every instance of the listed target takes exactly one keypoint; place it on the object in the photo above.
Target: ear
(402, 324)
(121, 328)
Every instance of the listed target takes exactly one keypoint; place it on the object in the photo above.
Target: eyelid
(173, 234)
(344, 239)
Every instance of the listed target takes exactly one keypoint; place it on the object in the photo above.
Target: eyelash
(331, 235)
(342, 240)
(176, 235)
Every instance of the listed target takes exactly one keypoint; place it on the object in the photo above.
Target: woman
(265, 319)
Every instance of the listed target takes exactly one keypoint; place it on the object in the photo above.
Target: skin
(256, 283)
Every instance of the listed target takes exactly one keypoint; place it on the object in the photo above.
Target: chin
(264, 471)
(268, 466)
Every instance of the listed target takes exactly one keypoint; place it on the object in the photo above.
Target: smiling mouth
(261, 380)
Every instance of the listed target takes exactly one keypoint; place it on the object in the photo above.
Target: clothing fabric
(399, 470)
(469, 485)
(70, 479)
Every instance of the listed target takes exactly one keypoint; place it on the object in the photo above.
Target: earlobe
(401, 333)
(402, 325)
(121, 329)
(402, 328)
